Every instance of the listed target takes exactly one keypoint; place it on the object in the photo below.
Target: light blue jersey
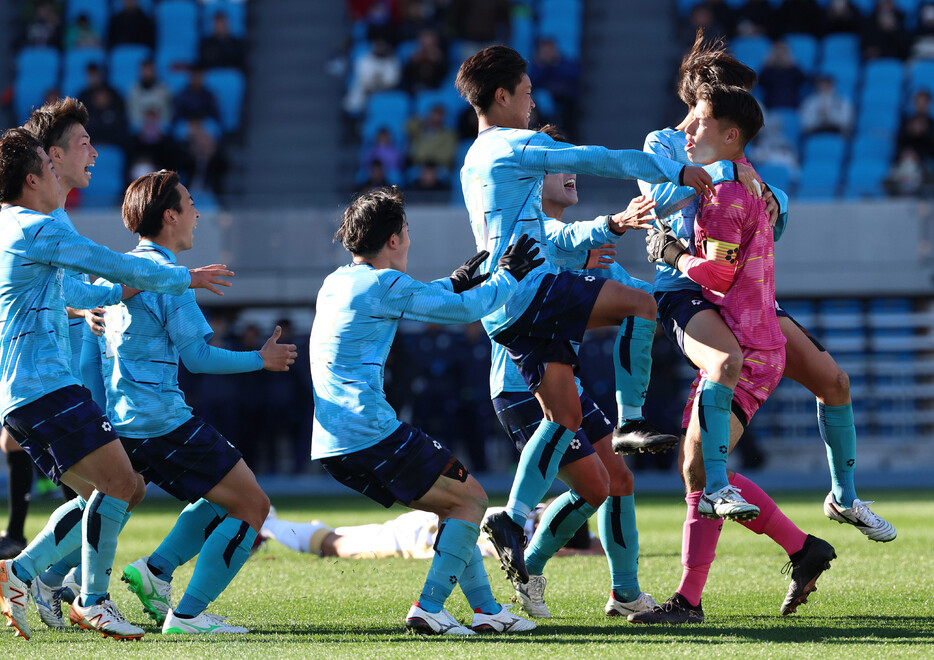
(35, 352)
(139, 352)
(357, 314)
(502, 185)
(670, 143)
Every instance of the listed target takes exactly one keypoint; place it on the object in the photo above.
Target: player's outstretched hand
(95, 320)
(698, 179)
(663, 246)
(750, 180)
(209, 277)
(277, 357)
(463, 278)
(636, 215)
(519, 258)
(771, 206)
(600, 257)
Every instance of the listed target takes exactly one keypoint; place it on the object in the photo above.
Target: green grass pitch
(877, 601)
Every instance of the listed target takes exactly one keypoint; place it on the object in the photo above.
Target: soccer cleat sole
(655, 446)
(743, 517)
(809, 588)
(513, 574)
(153, 613)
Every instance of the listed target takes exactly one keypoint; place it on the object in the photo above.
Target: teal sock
(559, 522)
(538, 467)
(713, 401)
(838, 430)
(476, 585)
(616, 520)
(104, 517)
(189, 607)
(61, 535)
(454, 546)
(194, 525)
(633, 365)
(221, 558)
(57, 572)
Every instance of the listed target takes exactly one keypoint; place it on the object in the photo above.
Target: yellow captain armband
(722, 252)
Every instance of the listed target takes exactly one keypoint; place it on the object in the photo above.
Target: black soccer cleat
(10, 547)
(806, 565)
(509, 540)
(675, 611)
(639, 436)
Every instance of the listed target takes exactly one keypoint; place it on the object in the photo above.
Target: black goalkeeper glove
(663, 246)
(463, 278)
(519, 258)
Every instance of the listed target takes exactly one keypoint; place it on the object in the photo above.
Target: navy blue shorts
(59, 429)
(187, 462)
(519, 413)
(555, 320)
(402, 467)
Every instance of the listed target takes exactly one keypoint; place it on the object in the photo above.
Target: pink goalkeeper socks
(771, 521)
(698, 549)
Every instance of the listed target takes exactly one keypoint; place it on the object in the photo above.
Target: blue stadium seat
(545, 102)
(864, 177)
(522, 33)
(561, 20)
(108, 186)
(228, 86)
(172, 72)
(74, 65)
(820, 178)
(920, 76)
(845, 74)
(123, 69)
(177, 33)
(446, 96)
(36, 73)
(878, 120)
(869, 146)
(775, 174)
(804, 49)
(96, 11)
(883, 77)
(389, 109)
(825, 147)
(751, 50)
(235, 12)
(211, 126)
(405, 49)
(789, 122)
(685, 6)
(841, 47)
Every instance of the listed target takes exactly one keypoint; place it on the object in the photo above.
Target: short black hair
(371, 219)
(147, 199)
(483, 73)
(19, 157)
(735, 105)
(553, 132)
(52, 121)
(711, 62)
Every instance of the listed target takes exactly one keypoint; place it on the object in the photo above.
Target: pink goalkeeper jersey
(732, 228)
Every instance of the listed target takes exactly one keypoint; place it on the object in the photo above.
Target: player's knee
(837, 391)
(138, 494)
(645, 306)
(121, 486)
(726, 371)
(595, 488)
(622, 483)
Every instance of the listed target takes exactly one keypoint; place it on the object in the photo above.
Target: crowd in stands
(400, 63)
(845, 85)
(163, 82)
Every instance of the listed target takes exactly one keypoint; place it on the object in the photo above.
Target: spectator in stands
(430, 140)
(773, 146)
(908, 176)
(923, 47)
(221, 48)
(289, 402)
(195, 101)
(825, 110)
(885, 34)
(43, 26)
(152, 144)
(428, 65)
(478, 23)
(384, 150)
(81, 34)
(781, 80)
(94, 80)
(754, 17)
(149, 94)
(376, 178)
(916, 131)
(842, 16)
(107, 117)
(131, 25)
(429, 179)
(804, 16)
(551, 70)
(382, 17)
(375, 71)
(202, 162)
(704, 17)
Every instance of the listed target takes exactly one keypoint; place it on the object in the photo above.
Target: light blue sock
(633, 365)
(454, 547)
(616, 520)
(838, 430)
(61, 535)
(221, 558)
(195, 524)
(104, 517)
(475, 584)
(559, 522)
(538, 467)
(56, 574)
(713, 401)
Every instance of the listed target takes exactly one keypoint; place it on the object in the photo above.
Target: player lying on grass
(735, 267)
(44, 408)
(357, 436)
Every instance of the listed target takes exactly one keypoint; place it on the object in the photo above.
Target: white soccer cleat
(434, 623)
(70, 586)
(618, 608)
(14, 597)
(203, 624)
(105, 618)
(861, 517)
(531, 596)
(502, 621)
(48, 602)
(726, 503)
(153, 592)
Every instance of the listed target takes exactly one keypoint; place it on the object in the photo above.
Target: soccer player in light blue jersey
(42, 404)
(502, 180)
(357, 436)
(599, 480)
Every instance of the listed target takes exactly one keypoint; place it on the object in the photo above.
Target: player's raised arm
(210, 277)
